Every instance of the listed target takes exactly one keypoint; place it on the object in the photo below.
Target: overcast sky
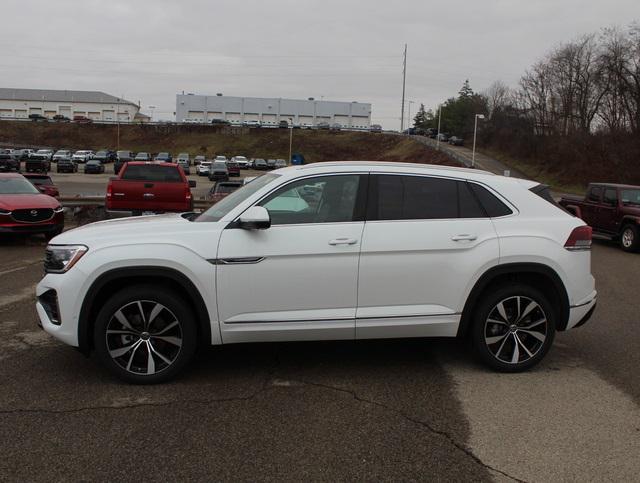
(351, 50)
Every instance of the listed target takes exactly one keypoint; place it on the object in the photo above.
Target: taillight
(580, 239)
(187, 193)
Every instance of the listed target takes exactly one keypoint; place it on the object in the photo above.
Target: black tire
(630, 238)
(149, 297)
(499, 344)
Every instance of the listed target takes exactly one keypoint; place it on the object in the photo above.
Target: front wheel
(513, 328)
(145, 334)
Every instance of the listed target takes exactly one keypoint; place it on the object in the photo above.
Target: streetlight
(475, 129)
(439, 118)
(290, 139)
(409, 116)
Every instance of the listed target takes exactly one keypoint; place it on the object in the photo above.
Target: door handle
(343, 241)
(464, 238)
(148, 195)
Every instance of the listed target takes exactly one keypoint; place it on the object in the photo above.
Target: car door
(606, 218)
(425, 240)
(297, 279)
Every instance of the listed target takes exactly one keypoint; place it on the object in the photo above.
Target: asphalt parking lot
(371, 410)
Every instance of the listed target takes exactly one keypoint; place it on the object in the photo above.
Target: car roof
(11, 175)
(144, 163)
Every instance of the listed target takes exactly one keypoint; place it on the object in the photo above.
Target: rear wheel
(514, 327)
(145, 334)
(630, 238)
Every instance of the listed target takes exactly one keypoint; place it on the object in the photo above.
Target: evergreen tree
(420, 119)
(466, 92)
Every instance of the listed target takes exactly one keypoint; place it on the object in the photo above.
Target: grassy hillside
(259, 143)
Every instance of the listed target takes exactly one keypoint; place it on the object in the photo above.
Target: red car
(152, 187)
(23, 209)
(222, 189)
(43, 183)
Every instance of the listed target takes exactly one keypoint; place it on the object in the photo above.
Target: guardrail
(80, 201)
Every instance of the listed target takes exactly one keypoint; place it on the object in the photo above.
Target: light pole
(409, 116)
(439, 118)
(475, 129)
(290, 139)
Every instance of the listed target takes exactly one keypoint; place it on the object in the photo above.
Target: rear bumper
(580, 313)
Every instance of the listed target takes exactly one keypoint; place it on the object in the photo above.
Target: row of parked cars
(433, 133)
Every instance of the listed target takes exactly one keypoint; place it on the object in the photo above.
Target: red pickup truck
(612, 210)
(142, 187)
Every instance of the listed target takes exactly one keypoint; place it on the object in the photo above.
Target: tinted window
(16, 186)
(491, 204)
(594, 193)
(611, 196)
(152, 172)
(422, 198)
(324, 199)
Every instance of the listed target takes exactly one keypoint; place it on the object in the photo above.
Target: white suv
(353, 250)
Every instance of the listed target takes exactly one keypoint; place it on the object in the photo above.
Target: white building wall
(10, 108)
(270, 111)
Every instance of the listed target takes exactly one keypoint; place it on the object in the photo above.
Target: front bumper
(66, 287)
(580, 313)
(30, 229)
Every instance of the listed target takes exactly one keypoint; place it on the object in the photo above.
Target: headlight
(59, 209)
(60, 258)
(5, 212)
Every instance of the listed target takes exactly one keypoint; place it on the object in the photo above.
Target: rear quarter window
(490, 202)
(152, 172)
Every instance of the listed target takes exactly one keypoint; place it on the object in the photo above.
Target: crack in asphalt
(468, 452)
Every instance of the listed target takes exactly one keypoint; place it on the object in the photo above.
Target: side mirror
(192, 183)
(255, 218)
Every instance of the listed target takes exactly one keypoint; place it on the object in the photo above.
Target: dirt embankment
(256, 143)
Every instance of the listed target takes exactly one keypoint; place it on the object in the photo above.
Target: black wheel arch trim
(515, 269)
(151, 272)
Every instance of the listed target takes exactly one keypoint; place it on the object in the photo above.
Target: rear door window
(152, 172)
(611, 196)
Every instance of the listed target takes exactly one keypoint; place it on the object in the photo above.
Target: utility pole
(404, 83)
(439, 118)
(290, 140)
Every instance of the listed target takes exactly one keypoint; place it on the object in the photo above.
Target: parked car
(252, 123)
(375, 128)
(61, 153)
(24, 210)
(82, 120)
(158, 292)
(61, 118)
(283, 124)
(44, 153)
(38, 163)
(271, 164)
(612, 210)
(66, 165)
(443, 137)
(218, 171)
(323, 125)
(199, 159)
(202, 169)
(222, 189)
(94, 166)
(456, 141)
(184, 157)
(241, 161)
(9, 163)
(142, 157)
(22, 154)
(105, 156)
(38, 118)
(280, 163)
(335, 127)
(43, 183)
(184, 164)
(233, 168)
(260, 164)
(143, 187)
(163, 158)
(220, 157)
(220, 122)
(82, 156)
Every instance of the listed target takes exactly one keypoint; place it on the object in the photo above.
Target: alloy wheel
(627, 238)
(515, 330)
(144, 337)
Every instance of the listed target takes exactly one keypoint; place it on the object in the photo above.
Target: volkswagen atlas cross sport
(336, 250)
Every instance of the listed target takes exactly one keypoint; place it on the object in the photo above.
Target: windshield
(631, 197)
(101, 153)
(221, 208)
(17, 186)
(43, 151)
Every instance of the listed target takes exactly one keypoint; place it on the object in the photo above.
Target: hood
(17, 202)
(168, 228)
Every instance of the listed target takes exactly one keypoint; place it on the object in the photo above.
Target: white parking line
(30, 263)
(560, 422)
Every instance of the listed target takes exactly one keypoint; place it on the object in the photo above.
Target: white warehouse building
(98, 106)
(270, 111)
